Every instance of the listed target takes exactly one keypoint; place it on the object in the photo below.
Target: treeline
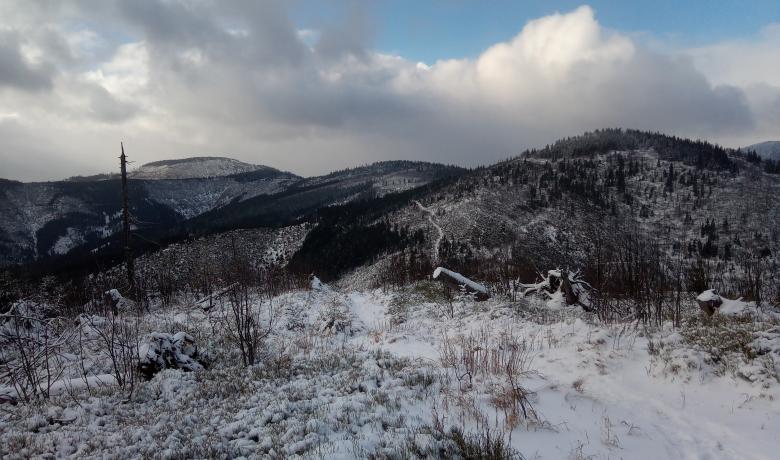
(441, 170)
(770, 166)
(356, 233)
(330, 250)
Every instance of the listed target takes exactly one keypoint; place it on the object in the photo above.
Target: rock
(316, 284)
(709, 301)
(118, 302)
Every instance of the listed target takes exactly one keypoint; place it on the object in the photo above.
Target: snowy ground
(600, 394)
(356, 374)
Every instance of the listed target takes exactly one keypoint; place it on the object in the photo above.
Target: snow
(732, 307)
(622, 411)
(439, 231)
(318, 285)
(66, 385)
(372, 381)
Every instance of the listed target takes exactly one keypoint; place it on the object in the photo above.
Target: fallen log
(457, 280)
(208, 301)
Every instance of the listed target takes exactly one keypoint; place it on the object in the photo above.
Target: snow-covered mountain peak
(196, 167)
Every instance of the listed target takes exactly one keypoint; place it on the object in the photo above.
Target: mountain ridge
(195, 167)
(642, 176)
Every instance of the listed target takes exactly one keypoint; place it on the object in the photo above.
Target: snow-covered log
(457, 279)
(711, 302)
(571, 287)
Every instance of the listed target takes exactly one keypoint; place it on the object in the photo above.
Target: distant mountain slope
(43, 219)
(768, 149)
(49, 218)
(39, 220)
(196, 167)
(310, 194)
(561, 206)
(549, 205)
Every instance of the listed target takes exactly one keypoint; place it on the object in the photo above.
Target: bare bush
(505, 359)
(31, 351)
(243, 323)
(117, 335)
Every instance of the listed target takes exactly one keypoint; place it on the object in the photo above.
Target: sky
(312, 86)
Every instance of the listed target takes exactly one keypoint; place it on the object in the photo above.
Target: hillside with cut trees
(611, 294)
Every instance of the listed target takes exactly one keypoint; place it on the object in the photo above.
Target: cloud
(742, 62)
(16, 70)
(564, 74)
(176, 79)
(349, 37)
(753, 64)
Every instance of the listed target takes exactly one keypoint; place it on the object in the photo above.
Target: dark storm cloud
(16, 71)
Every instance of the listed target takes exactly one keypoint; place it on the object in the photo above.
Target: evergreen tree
(670, 179)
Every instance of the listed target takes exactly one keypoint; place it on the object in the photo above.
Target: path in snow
(438, 228)
(624, 411)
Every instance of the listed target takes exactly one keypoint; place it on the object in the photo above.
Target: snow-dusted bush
(296, 319)
(335, 318)
(767, 343)
(501, 359)
(720, 335)
(32, 351)
(744, 345)
(169, 351)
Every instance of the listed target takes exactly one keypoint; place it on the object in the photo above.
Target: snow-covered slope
(545, 213)
(768, 149)
(375, 374)
(51, 218)
(196, 167)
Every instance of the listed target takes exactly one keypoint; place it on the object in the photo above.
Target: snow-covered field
(358, 374)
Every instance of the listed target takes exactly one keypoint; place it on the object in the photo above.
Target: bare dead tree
(126, 219)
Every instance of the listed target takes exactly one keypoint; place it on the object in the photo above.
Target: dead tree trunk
(568, 291)
(126, 219)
